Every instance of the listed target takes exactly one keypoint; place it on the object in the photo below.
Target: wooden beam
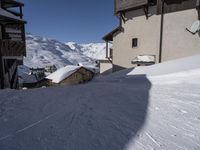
(15, 13)
(1, 68)
(198, 8)
(13, 76)
(122, 16)
(146, 11)
(21, 12)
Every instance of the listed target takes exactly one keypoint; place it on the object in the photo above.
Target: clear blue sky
(81, 21)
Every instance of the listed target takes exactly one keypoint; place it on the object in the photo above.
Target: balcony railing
(12, 48)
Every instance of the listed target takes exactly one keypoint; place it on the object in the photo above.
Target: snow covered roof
(63, 73)
(91, 68)
(4, 13)
(144, 59)
(25, 78)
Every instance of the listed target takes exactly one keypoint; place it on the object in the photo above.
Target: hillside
(42, 52)
(144, 110)
(92, 50)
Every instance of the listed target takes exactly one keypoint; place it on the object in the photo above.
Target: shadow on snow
(102, 115)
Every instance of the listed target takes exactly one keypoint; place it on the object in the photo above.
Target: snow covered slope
(114, 112)
(93, 50)
(43, 52)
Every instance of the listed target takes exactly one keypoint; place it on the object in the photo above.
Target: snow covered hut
(70, 75)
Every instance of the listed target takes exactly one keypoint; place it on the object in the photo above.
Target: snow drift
(114, 112)
(168, 67)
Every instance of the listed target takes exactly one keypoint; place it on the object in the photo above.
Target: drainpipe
(21, 12)
(106, 49)
(198, 8)
(161, 31)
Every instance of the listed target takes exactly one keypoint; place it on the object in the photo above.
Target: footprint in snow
(183, 111)
(174, 135)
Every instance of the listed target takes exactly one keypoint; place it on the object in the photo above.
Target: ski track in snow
(154, 140)
(28, 127)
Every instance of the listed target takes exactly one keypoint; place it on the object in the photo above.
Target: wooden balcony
(12, 48)
(11, 3)
(122, 5)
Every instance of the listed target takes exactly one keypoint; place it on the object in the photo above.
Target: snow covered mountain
(43, 52)
(93, 50)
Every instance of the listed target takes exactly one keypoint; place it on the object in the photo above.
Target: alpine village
(138, 89)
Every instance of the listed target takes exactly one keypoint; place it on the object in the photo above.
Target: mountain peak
(42, 52)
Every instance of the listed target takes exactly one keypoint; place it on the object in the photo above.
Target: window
(134, 42)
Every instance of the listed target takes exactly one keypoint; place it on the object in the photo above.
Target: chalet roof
(121, 5)
(25, 78)
(9, 16)
(67, 71)
(62, 73)
(170, 5)
(11, 3)
(109, 36)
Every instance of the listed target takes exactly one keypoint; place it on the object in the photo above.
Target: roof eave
(109, 36)
(131, 5)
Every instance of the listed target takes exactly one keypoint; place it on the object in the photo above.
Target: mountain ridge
(42, 52)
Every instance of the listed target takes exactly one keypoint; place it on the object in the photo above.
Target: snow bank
(168, 67)
(114, 112)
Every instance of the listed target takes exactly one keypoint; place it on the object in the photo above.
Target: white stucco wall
(137, 26)
(177, 42)
(106, 67)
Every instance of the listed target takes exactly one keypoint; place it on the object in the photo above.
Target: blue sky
(81, 21)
